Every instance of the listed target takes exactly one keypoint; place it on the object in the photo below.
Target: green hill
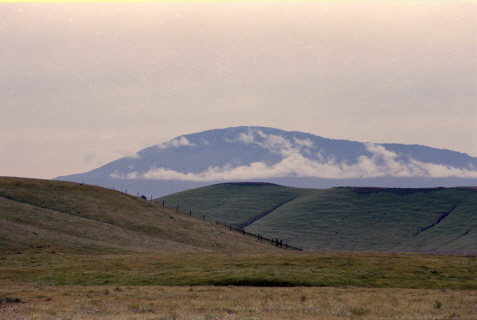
(342, 219)
(64, 217)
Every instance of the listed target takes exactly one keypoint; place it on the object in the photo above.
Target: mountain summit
(284, 157)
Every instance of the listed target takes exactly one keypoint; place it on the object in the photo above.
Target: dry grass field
(288, 285)
(232, 302)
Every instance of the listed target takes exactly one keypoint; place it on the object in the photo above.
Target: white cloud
(381, 163)
(127, 154)
(246, 138)
(304, 143)
(176, 143)
(131, 175)
(205, 142)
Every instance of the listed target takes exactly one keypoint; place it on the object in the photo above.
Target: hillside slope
(343, 219)
(55, 216)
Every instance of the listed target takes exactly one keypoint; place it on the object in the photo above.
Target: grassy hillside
(236, 204)
(77, 251)
(345, 219)
(64, 217)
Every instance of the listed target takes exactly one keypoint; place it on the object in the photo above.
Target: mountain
(283, 157)
(64, 217)
(342, 219)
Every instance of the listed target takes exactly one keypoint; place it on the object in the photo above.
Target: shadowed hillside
(343, 219)
(65, 217)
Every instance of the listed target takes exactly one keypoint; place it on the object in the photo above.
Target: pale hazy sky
(82, 84)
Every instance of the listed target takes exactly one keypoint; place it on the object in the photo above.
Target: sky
(83, 84)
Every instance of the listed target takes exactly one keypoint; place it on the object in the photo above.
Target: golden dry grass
(164, 302)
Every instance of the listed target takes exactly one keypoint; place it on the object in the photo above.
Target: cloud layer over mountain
(298, 157)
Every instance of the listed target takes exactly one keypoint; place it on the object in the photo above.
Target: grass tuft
(9, 299)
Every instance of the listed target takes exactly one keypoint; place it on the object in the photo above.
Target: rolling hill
(65, 217)
(342, 218)
(55, 233)
(288, 158)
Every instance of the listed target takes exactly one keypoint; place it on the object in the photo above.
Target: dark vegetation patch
(5, 299)
(258, 282)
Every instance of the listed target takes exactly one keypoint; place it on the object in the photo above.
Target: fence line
(273, 241)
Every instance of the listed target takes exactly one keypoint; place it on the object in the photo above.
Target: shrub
(8, 299)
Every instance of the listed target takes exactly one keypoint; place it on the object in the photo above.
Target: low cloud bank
(294, 163)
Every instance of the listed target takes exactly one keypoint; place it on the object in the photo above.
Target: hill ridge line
(264, 214)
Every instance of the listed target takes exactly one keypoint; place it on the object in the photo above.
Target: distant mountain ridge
(285, 157)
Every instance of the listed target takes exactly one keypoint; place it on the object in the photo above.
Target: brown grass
(152, 302)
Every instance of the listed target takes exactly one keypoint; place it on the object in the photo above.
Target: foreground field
(163, 302)
(307, 269)
(288, 285)
(285, 269)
